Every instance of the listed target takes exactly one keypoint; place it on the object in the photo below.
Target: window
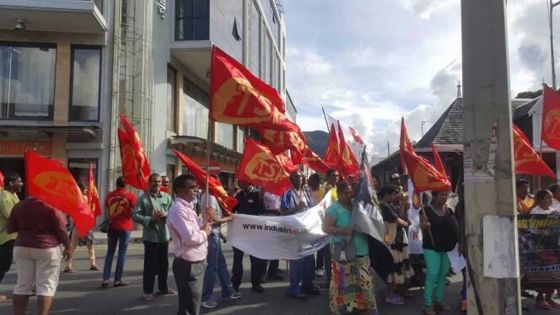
(255, 61)
(240, 139)
(171, 99)
(79, 168)
(86, 70)
(267, 73)
(192, 19)
(27, 77)
(224, 135)
(195, 111)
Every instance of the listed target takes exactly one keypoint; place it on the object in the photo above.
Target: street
(80, 293)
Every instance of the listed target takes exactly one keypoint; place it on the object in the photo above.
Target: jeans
(273, 267)
(122, 237)
(216, 266)
(6, 257)
(155, 262)
(301, 270)
(188, 277)
(437, 269)
(258, 267)
(324, 261)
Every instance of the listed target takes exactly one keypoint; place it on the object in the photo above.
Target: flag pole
(210, 136)
(326, 120)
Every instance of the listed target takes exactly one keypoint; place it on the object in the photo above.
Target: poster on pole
(539, 250)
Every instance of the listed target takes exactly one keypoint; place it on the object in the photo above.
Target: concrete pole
(488, 155)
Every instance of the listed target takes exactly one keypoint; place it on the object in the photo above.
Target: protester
(555, 190)
(271, 204)
(119, 203)
(190, 241)
(151, 212)
(330, 184)
(543, 205)
(351, 289)
(525, 201)
(37, 252)
(8, 199)
(248, 202)
(440, 236)
(165, 184)
(323, 261)
(395, 239)
(76, 241)
(302, 270)
(216, 262)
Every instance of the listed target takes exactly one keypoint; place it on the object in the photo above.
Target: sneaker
(394, 300)
(235, 296)
(104, 284)
(148, 297)
(298, 296)
(258, 288)
(320, 272)
(210, 304)
(120, 284)
(166, 292)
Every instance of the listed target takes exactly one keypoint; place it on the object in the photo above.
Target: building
(162, 65)
(55, 82)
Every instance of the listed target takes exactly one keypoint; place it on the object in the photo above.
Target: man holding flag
(151, 211)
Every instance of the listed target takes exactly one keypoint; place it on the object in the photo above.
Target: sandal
(442, 306)
(69, 270)
(428, 310)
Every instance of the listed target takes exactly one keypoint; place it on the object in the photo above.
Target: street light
(551, 6)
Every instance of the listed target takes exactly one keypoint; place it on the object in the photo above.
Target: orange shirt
(524, 206)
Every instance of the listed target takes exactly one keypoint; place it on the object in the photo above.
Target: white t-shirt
(555, 204)
(539, 210)
(271, 201)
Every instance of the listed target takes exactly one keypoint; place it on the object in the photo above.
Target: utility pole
(490, 210)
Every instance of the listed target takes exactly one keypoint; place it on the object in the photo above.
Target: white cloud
(370, 62)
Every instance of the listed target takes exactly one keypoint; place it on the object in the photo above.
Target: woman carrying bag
(440, 235)
(351, 287)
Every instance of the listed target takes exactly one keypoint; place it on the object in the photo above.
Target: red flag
(356, 136)
(52, 183)
(312, 160)
(259, 167)
(437, 161)
(135, 164)
(527, 160)
(551, 118)
(280, 141)
(93, 196)
(348, 162)
(286, 163)
(1, 180)
(424, 176)
(332, 154)
(216, 189)
(240, 98)
(404, 144)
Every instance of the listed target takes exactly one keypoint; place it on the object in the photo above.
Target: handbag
(105, 226)
(344, 250)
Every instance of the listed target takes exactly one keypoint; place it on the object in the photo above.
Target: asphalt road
(80, 293)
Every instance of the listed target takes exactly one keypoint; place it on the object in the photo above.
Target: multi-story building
(55, 74)
(162, 63)
(68, 68)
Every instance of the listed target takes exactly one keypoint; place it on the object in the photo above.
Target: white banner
(280, 237)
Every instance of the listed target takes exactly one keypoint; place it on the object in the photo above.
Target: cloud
(425, 8)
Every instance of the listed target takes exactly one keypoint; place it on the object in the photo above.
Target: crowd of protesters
(181, 212)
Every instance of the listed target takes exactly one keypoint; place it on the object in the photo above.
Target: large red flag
(527, 160)
(280, 141)
(49, 181)
(216, 189)
(348, 163)
(259, 167)
(551, 118)
(286, 162)
(332, 154)
(93, 195)
(240, 98)
(135, 164)
(404, 144)
(424, 176)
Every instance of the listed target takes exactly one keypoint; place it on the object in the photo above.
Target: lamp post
(550, 25)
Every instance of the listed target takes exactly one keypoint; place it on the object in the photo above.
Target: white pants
(39, 266)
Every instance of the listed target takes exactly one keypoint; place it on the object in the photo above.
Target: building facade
(55, 74)
(162, 67)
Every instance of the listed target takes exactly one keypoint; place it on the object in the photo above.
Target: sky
(371, 62)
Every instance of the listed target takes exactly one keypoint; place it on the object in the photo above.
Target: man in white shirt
(555, 190)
